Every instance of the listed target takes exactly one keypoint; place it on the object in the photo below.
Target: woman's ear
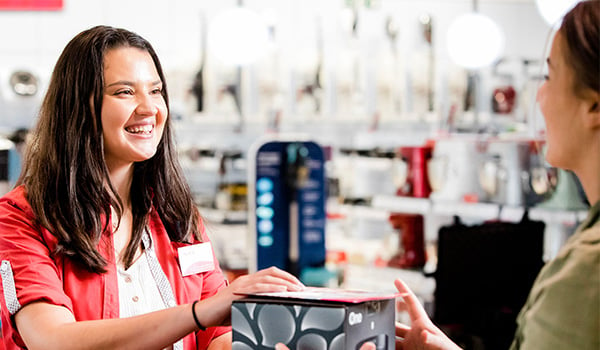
(593, 110)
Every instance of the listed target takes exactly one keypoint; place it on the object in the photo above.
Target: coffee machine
(411, 253)
(416, 183)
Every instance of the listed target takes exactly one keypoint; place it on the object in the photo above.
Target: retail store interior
(387, 137)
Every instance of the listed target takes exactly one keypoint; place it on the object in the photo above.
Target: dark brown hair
(64, 171)
(581, 31)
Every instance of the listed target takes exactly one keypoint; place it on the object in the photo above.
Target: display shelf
(409, 205)
(223, 216)
(426, 206)
(565, 217)
(483, 211)
(357, 211)
(560, 216)
(512, 214)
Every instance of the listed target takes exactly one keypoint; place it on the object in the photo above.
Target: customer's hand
(216, 310)
(422, 333)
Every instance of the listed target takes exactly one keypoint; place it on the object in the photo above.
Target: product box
(316, 318)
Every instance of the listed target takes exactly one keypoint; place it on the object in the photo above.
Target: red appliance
(417, 181)
(412, 241)
(504, 99)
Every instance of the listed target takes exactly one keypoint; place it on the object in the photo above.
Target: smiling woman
(93, 235)
(134, 110)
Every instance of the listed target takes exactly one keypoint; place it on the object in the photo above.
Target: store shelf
(483, 211)
(426, 206)
(408, 205)
(565, 217)
(223, 216)
(357, 211)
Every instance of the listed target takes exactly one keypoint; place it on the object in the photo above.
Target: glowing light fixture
(474, 41)
(238, 36)
(552, 11)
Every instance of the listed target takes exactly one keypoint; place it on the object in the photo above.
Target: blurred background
(423, 110)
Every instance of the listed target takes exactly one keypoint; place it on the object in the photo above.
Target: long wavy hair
(64, 171)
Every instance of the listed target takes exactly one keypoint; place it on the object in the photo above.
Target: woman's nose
(146, 105)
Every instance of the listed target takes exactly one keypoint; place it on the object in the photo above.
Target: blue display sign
(289, 208)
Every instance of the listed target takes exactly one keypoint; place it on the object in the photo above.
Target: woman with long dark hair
(101, 244)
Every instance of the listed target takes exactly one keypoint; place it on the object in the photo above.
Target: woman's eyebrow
(130, 83)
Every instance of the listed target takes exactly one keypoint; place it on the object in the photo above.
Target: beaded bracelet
(202, 328)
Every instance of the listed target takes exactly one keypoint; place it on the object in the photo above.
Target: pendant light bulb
(238, 36)
(474, 41)
(552, 11)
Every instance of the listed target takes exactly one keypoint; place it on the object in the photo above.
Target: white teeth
(143, 129)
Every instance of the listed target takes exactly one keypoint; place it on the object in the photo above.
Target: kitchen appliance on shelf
(417, 180)
(21, 92)
(217, 176)
(364, 173)
(232, 188)
(411, 253)
(452, 170)
(504, 95)
(389, 76)
(568, 194)
(504, 172)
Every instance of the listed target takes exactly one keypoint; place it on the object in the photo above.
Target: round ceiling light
(238, 36)
(474, 41)
(552, 11)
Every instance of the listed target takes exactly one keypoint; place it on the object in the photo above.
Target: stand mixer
(504, 172)
(451, 172)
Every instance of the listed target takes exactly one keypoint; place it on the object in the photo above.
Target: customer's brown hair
(64, 171)
(581, 31)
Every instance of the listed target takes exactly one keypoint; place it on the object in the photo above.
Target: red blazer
(39, 275)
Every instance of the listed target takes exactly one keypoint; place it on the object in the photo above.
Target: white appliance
(453, 169)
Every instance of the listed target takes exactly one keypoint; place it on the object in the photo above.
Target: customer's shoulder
(591, 236)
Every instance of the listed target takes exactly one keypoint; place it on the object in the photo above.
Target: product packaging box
(316, 318)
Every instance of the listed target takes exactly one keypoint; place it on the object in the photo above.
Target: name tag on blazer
(196, 258)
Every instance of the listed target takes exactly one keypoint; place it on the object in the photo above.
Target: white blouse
(138, 291)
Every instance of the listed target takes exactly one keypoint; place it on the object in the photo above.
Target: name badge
(196, 258)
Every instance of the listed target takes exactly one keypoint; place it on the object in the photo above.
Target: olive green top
(563, 307)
